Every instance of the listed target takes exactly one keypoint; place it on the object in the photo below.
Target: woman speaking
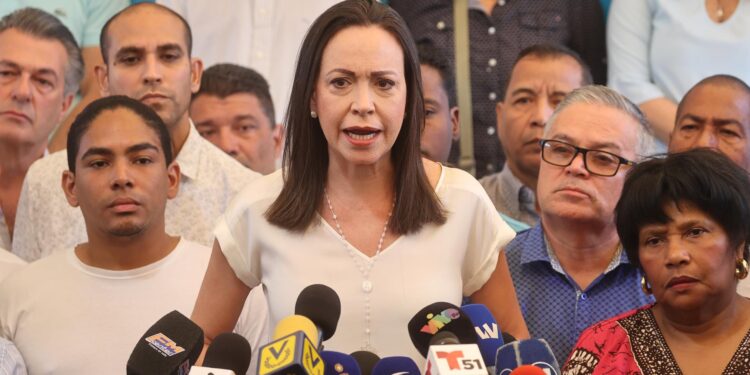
(355, 207)
(685, 220)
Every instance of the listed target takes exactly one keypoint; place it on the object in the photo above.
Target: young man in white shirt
(82, 310)
(40, 69)
(147, 56)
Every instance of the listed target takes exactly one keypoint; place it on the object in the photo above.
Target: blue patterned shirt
(553, 305)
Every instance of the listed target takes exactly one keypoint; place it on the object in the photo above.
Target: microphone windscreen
(337, 363)
(366, 361)
(396, 365)
(169, 346)
(444, 338)
(229, 351)
(487, 330)
(528, 370)
(507, 337)
(322, 305)
(437, 317)
(535, 352)
(294, 323)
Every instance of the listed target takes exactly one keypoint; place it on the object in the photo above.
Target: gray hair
(43, 25)
(604, 96)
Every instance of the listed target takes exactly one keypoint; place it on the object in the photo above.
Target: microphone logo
(437, 322)
(486, 332)
(280, 353)
(164, 345)
(456, 361)
(311, 359)
(452, 358)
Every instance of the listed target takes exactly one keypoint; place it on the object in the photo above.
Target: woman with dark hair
(355, 207)
(685, 221)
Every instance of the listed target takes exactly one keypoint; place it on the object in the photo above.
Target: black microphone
(396, 365)
(229, 353)
(507, 337)
(297, 337)
(444, 338)
(437, 317)
(322, 305)
(170, 346)
(366, 361)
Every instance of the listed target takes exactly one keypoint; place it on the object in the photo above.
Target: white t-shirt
(438, 263)
(66, 317)
(9, 263)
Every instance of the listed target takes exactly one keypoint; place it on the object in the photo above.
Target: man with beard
(146, 50)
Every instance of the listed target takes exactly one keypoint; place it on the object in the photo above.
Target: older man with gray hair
(40, 70)
(569, 270)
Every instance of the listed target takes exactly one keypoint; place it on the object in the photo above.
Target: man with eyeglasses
(569, 270)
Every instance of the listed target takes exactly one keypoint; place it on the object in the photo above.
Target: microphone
(528, 370)
(437, 317)
(294, 323)
(366, 361)
(448, 355)
(322, 305)
(169, 346)
(229, 354)
(396, 365)
(444, 338)
(292, 351)
(296, 338)
(534, 352)
(337, 363)
(486, 329)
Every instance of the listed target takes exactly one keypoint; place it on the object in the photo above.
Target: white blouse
(438, 263)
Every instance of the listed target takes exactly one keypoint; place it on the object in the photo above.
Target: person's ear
(101, 77)
(68, 183)
(499, 108)
(455, 124)
(278, 140)
(173, 176)
(67, 101)
(196, 72)
(313, 105)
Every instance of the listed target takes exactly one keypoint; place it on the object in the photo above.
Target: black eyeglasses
(597, 162)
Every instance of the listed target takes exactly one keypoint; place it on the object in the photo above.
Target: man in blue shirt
(569, 270)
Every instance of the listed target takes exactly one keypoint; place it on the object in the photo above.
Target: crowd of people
(149, 163)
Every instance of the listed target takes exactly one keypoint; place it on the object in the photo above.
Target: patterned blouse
(632, 344)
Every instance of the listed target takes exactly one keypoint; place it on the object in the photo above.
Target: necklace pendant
(367, 286)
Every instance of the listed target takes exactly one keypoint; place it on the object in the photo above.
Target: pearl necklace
(341, 231)
(365, 271)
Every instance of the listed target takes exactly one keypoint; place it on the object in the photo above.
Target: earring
(644, 285)
(741, 271)
(313, 114)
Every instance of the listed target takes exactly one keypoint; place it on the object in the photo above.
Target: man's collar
(189, 155)
(544, 253)
(522, 195)
(536, 253)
